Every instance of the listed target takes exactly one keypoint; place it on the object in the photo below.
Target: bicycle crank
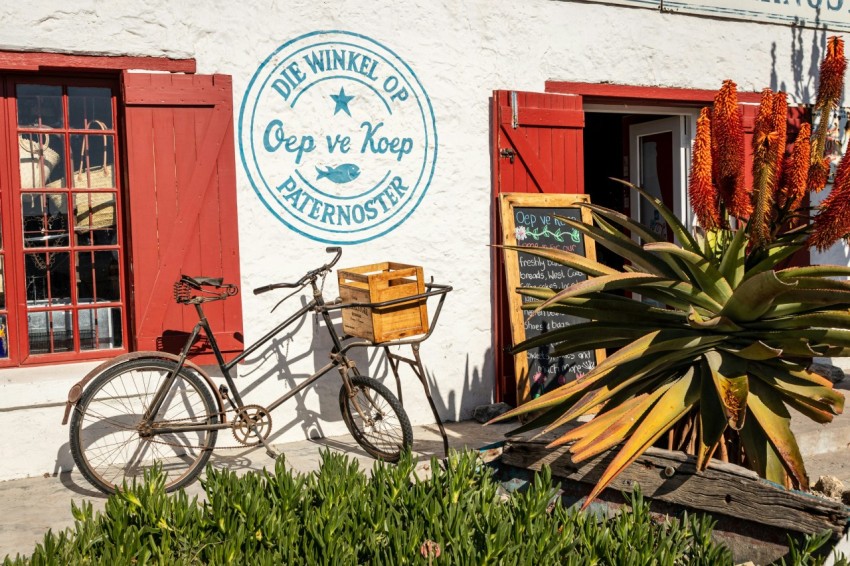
(251, 425)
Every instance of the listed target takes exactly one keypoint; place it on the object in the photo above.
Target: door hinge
(509, 153)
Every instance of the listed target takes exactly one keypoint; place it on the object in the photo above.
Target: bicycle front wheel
(375, 418)
(109, 443)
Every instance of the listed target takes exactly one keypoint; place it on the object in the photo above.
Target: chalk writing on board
(538, 227)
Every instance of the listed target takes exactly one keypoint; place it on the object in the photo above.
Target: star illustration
(341, 101)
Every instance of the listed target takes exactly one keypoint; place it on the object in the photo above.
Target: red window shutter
(181, 191)
(538, 147)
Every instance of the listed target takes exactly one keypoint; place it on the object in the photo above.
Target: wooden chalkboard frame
(508, 202)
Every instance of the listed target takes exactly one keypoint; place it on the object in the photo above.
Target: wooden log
(672, 477)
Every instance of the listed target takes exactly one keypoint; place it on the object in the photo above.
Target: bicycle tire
(389, 432)
(105, 440)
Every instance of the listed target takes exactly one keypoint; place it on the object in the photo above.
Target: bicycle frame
(338, 360)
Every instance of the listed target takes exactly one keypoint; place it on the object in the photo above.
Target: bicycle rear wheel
(375, 418)
(106, 437)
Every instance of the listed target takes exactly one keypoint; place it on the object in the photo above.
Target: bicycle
(153, 407)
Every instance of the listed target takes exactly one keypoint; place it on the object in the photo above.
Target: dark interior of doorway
(606, 156)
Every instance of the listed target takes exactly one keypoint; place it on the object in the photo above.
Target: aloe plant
(719, 358)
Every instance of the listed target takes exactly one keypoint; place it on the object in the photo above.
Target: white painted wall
(461, 52)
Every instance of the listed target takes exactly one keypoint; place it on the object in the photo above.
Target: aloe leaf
(729, 374)
(814, 271)
(767, 407)
(654, 342)
(754, 297)
(810, 410)
(756, 351)
(672, 220)
(602, 283)
(647, 318)
(543, 419)
(585, 332)
(600, 423)
(672, 406)
(570, 259)
(641, 230)
(622, 246)
(801, 385)
(707, 276)
(680, 296)
(806, 300)
(761, 455)
(775, 255)
(683, 357)
(734, 258)
(716, 323)
(621, 429)
(621, 219)
(831, 318)
(711, 415)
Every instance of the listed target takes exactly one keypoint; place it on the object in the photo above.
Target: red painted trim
(19, 61)
(140, 90)
(647, 95)
(547, 117)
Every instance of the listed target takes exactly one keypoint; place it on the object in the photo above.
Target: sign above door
(829, 15)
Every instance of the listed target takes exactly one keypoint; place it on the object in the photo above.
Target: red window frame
(213, 92)
(20, 340)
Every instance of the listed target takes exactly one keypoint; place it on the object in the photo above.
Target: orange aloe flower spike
(727, 151)
(766, 153)
(833, 220)
(704, 197)
(830, 85)
(797, 172)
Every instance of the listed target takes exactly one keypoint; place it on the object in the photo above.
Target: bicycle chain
(220, 415)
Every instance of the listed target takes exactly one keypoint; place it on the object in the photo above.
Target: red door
(536, 148)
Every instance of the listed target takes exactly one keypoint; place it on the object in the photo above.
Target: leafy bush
(340, 515)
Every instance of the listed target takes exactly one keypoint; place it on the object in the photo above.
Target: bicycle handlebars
(310, 275)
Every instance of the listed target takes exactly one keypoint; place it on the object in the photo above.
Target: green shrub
(340, 515)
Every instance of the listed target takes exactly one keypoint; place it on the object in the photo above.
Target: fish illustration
(340, 174)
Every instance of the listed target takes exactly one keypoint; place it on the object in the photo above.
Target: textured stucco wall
(460, 52)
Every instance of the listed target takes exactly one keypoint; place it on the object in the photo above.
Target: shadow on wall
(805, 72)
(274, 364)
(451, 404)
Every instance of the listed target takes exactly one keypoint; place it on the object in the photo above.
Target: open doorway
(647, 147)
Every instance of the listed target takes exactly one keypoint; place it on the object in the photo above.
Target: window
(105, 198)
(64, 258)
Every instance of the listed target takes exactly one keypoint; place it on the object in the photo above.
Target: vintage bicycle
(147, 408)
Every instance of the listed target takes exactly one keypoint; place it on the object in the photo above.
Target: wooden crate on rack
(377, 283)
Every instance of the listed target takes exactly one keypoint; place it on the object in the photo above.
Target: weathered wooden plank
(672, 477)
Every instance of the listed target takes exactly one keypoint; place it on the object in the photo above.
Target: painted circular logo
(338, 137)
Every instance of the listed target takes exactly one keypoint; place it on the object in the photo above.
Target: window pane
(87, 104)
(45, 219)
(50, 331)
(100, 328)
(41, 157)
(97, 277)
(39, 106)
(93, 161)
(48, 278)
(4, 338)
(94, 212)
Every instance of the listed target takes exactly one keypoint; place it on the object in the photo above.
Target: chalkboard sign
(529, 220)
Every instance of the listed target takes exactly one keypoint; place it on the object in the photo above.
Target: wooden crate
(377, 283)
